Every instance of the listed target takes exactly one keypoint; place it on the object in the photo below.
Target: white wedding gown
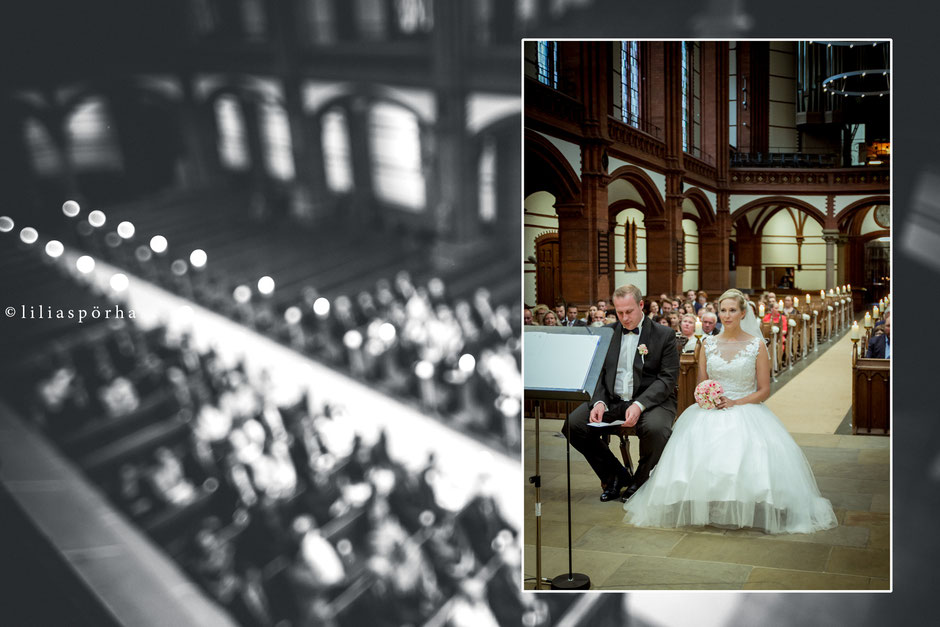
(735, 467)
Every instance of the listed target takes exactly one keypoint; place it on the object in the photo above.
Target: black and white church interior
(686, 168)
(260, 356)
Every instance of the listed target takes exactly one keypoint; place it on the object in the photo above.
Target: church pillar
(200, 163)
(453, 213)
(665, 250)
(713, 249)
(830, 236)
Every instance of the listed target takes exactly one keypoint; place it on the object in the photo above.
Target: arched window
(320, 17)
(414, 16)
(337, 163)
(275, 134)
(254, 19)
(548, 63)
(630, 82)
(487, 181)
(232, 141)
(692, 97)
(395, 146)
(371, 19)
(43, 153)
(91, 138)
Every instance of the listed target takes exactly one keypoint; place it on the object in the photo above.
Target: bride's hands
(724, 402)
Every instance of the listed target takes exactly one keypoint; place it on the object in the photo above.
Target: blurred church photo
(687, 168)
(260, 356)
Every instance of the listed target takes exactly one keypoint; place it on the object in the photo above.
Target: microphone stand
(572, 580)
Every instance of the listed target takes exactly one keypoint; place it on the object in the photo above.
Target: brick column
(713, 249)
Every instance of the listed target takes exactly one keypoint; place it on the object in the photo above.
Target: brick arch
(848, 222)
(781, 201)
(546, 169)
(700, 200)
(653, 205)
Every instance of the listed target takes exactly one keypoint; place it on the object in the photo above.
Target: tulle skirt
(736, 467)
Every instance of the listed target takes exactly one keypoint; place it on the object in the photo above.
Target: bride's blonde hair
(736, 295)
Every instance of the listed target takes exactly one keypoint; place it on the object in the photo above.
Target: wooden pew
(871, 396)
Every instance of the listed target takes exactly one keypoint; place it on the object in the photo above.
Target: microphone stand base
(571, 581)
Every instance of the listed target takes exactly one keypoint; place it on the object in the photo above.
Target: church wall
(782, 131)
(779, 248)
(540, 217)
(621, 276)
(690, 276)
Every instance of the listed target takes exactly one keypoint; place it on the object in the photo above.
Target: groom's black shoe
(630, 491)
(616, 485)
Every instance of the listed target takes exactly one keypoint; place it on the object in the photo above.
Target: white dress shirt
(623, 383)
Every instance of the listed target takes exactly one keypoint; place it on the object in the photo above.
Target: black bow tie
(626, 330)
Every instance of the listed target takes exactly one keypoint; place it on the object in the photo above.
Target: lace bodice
(733, 364)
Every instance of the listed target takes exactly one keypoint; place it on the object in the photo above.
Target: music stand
(561, 364)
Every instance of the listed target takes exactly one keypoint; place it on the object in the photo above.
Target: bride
(735, 466)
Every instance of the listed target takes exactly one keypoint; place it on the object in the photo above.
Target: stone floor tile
(853, 561)
(625, 539)
(753, 551)
(880, 502)
(779, 579)
(645, 572)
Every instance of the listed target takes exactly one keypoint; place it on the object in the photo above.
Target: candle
(867, 320)
(809, 299)
(855, 334)
(761, 310)
(698, 326)
(874, 311)
(822, 294)
(796, 301)
(780, 305)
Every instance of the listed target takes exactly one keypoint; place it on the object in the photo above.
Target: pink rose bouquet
(708, 394)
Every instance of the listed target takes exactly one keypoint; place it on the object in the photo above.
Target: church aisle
(817, 399)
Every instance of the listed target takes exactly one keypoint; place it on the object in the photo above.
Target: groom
(637, 385)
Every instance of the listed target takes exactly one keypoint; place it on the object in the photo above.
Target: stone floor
(853, 472)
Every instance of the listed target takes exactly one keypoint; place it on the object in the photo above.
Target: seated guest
(688, 307)
(611, 317)
(663, 320)
(879, 346)
(710, 324)
(775, 317)
(701, 300)
(674, 321)
(788, 309)
(690, 295)
(560, 308)
(527, 316)
(599, 318)
(602, 304)
(571, 319)
(549, 319)
(687, 328)
(539, 313)
(666, 307)
(654, 308)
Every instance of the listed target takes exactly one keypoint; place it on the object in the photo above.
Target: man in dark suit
(571, 319)
(879, 346)
(637, 385)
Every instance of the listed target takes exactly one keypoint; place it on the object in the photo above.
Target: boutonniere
(642, 349)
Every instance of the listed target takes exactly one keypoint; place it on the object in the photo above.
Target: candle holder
(815, 331)
(774, 330)
(854, 350)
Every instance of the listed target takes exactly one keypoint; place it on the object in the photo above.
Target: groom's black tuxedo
(654, 387)
(654, 374)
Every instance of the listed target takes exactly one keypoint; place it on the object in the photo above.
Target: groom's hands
(597, 412)
(632, 415)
